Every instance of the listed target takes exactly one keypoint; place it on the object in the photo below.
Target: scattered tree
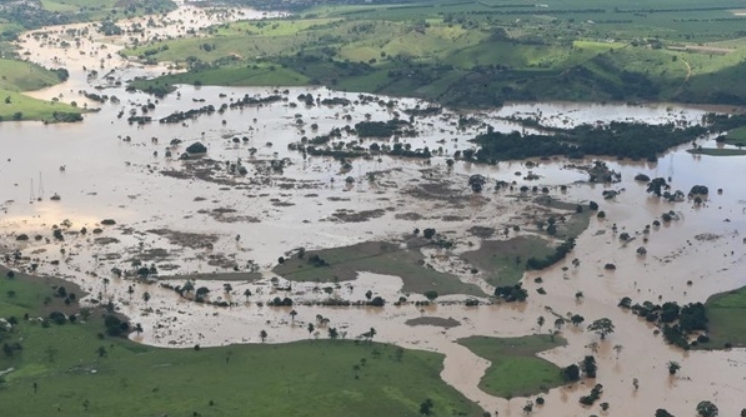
(673, 367)
(707, 409)
(603, 327)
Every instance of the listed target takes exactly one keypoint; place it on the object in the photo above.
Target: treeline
(384, 129)
(559, 253)
(618, 139)
(179, 116)
(678, 323)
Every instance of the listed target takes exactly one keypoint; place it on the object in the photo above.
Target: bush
(589, 366)
(58, 318)
(571, 373)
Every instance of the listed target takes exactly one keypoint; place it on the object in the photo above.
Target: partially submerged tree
(707, 409)
(603, 327)
(673, 367)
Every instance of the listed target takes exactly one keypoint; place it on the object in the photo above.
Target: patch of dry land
(228, 241)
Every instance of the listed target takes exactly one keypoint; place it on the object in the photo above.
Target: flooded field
(228, 216)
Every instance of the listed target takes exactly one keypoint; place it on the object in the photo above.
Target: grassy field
(504, 261)
(736, 137)
(261, 76)
(516, 357)
(717, 152)
(24, 76)
(484, 53)
(17, 76)
(377, 257)
(62, 371)
(727, 319)
(21, 107)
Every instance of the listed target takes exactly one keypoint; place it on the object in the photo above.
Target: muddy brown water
(102, 173)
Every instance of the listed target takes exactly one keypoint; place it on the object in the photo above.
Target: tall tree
(603, 327)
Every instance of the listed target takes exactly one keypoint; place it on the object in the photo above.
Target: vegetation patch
(515, 369)
(16, 107)
(717, 152)
(343, 264)
(504, 261)
(483, 54)
(433, 321)
(74, 367)
(726, 313)
(736, 136)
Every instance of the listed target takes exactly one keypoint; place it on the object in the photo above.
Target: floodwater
(99, 173)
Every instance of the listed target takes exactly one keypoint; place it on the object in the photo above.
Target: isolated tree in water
(673, 367)
(577, 319)
(657, 186)
(707, 409)
(603, 327)
(263, 335)
(663, 413)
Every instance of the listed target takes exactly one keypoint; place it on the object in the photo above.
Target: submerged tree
(657, 186)
(603, 327)
(673, 367)
(707, 409)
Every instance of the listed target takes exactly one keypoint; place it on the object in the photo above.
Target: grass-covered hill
(18, 76)
(59, 360)
(479, 53)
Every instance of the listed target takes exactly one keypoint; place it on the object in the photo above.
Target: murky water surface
(105, 168)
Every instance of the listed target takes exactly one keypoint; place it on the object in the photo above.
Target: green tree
(426, 407)
(603, 327)
(571, 373)
(663, 413)
(673, 367)
(333, 334)
(577, 319)
(540, 321)
(263, 335)
(589, 367)
(707, 409)
(310, 328)
(188, 287)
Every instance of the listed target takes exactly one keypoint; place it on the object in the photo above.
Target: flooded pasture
(226, 217)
